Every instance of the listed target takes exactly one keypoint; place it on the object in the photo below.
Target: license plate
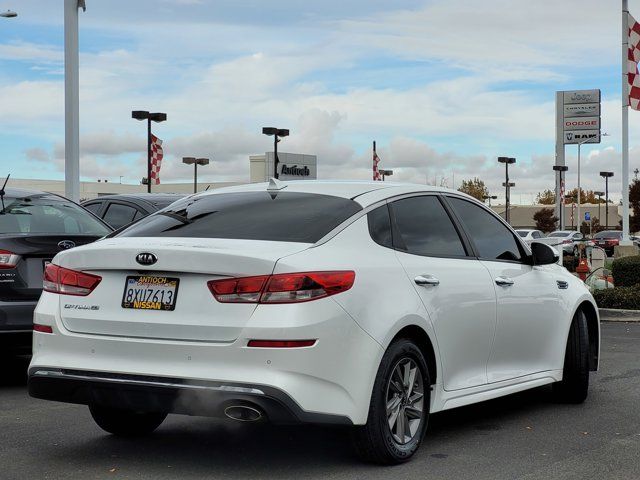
(146, 292)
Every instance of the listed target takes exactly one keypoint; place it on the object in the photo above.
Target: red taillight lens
(42, 328)
(8, 259)
(281, 343)
(566, 242)
(68, 282)
(282, 288)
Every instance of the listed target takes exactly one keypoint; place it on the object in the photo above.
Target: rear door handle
(426, 280)
(504, 281)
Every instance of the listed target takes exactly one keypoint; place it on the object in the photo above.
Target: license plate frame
(147, 297)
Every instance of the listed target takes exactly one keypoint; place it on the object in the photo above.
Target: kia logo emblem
(66, 244)
(146, 258)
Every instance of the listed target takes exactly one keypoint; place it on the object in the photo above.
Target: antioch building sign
(295, 170)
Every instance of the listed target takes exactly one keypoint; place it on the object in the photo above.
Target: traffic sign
(587, 216)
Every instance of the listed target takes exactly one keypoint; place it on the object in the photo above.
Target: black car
(121, 210)
(34, 226)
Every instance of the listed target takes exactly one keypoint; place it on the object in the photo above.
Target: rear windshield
(609, 234)
(559, 234)
(48, 215)
(275, 216)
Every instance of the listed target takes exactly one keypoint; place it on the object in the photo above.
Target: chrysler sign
(582, 110)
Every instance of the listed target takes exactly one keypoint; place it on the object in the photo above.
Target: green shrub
(627, 298)
(626, 271)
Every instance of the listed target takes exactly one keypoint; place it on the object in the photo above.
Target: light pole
(507, 186)
(149, 117)
(599, 194)
(561, 169)
(8, 14)
(385, 173)
(579, 145)
(489, 197)
(277, 133)
(195, 162)
(607, 176)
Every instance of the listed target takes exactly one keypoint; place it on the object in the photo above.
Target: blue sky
(444, 87)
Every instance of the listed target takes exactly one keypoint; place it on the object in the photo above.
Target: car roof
(147, 197)
(24, 192)
(363, 192)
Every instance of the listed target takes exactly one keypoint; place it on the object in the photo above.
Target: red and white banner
(156, 159)
(632, 63)
(376, 172)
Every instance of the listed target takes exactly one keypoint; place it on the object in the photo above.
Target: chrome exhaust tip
(243, 413)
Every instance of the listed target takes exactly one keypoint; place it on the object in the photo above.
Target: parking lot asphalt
(523, 436)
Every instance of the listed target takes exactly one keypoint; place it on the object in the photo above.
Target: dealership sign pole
(625, 124)
(577, 122)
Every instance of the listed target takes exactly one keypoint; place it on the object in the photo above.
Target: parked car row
(567, 240)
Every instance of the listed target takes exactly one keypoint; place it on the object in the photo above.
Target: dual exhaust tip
(244, 413)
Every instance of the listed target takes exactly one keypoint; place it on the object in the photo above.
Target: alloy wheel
(405, 400)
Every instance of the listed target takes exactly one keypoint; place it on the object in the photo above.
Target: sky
(443, 86)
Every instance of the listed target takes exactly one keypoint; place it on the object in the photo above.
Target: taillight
(567, 242)
(282, 288)
(68, 282)
(8, 259)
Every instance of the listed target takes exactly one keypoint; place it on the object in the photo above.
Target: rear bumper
(16, 325)
(169, 395)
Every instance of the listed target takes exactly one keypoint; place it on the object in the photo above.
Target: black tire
(376, 441)
(574, 386)
(126, 423)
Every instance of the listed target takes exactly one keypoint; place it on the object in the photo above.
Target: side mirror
(543, 254)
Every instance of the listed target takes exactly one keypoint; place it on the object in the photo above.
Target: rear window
(275, 216)
(609, 234)
(48, 215)
(522, 233)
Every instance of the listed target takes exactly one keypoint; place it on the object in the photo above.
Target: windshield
(275, 216)
(559, 234)
(609, 234)
(48, 215)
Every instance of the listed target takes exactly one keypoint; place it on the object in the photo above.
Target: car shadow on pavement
(266, 451)
(14, 371)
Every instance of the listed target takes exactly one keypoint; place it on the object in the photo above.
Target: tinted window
(49, 215)
(139, 215)
(93, 207)
(380, 226)
(277, 216)
(424, 227)
(537, 234)
(118, 215)
(522, 233)
(609, 234)
(492, 239)
(558, 234)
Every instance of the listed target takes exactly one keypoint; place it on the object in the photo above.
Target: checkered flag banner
(632, 63)
(156, 159)
(376, 172)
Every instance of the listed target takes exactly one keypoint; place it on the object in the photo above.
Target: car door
(529, 311)
(455, 288)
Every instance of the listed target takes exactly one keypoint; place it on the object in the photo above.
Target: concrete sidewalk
(619, 315)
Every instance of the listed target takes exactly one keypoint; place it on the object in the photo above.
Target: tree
(585, 197)
(634, 203)
(475, 187)
(545, 220)
(548, 197)
(594, 228)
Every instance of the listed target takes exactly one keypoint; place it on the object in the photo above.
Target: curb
(619, 315)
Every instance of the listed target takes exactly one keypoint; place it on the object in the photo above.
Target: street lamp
(489, 197)
(507, 186)
(579, 145)
(607, 176)
(561, 169)
(8, 14)
(149, 117)
(599, 194)
(385, 173)
(195, 162)
(277, 133)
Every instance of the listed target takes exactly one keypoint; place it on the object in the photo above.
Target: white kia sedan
(365, 304)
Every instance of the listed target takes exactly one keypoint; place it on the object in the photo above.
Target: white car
(367, 304)
(529, 235)
(564, 240)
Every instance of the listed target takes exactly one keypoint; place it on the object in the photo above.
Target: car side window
(493, 240)
(380, 226)
(93, 207)
(536, 234)
(423, 227)
(118, 215)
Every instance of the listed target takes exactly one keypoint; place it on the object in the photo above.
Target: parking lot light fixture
(385, 173)
(149, 117)
(489, 197)
(606, 176)
(195, 162)
(507, 187)
(599, 194)
(277, 133)
(8, 14)
(561, 169)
